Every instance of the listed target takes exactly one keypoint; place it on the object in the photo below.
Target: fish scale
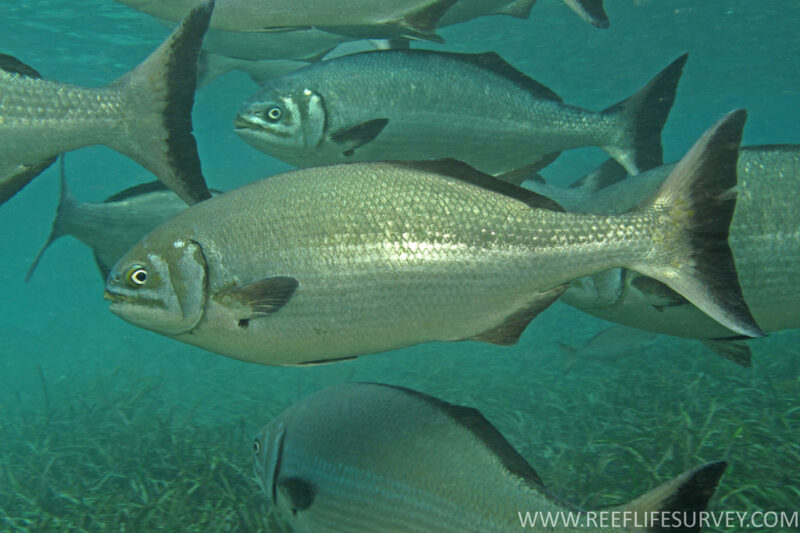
(333, 262)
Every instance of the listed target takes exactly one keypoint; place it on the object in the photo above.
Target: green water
(106, 427)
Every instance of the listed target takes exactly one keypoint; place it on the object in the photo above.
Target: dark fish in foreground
(363, 457)
(112, 227)
(764, 238)
(334, 262)
(145, 115)
(422, 104)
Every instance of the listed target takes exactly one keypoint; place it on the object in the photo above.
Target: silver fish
(333, 262)
(110, 228)
(402, 104)
(363, 457)
(416, 19)
(145, 115)
(764, 238)
(589, 10)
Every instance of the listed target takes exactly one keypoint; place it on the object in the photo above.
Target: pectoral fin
(258, 299)
(509, 331)
(354, 137)
(298, 491)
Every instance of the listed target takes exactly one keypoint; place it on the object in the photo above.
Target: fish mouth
(241, 123)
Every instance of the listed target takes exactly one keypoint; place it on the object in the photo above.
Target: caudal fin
(680, 501)
(591, 11)
(160, 93)
(66, 205)
(638, 143)
(694, 207)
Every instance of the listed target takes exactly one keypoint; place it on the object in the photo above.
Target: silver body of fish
(422, 104)
(363, 457)
(589, 10)
(378, 19)
(333, 262)
(145, 115)
(764, 238)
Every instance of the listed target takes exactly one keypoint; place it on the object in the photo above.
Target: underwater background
(108, 427)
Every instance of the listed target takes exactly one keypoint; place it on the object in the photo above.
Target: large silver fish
(421, 104)
(416, 19)
(764, 237)
(363, 457)
(333, 262)
(110, 228)
(146, 115)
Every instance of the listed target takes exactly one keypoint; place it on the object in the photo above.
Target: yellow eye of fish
(136, 276)
(273, 114)
(256, 445)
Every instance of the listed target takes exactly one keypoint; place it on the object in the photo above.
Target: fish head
(160, 288)
(267, 452)
(286, 124)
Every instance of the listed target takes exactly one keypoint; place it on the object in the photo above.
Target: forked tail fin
(160, 92)
(676, 505)
(693, 209)
(66, 205)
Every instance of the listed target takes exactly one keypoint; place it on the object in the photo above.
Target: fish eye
(273, 113)
(256, 445)
(136, 276)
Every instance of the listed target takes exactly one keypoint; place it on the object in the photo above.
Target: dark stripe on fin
(509, 331)
(15, 66)
(734, 349)
(472, 420)
(520, 9)
(422, 24)
(698, 199)
(605, 175)
(591, 11)
(137, 190)
(65, 201)
(687, 494)
(318, 362)
(164, 85)
(646, 113)
(457, 170)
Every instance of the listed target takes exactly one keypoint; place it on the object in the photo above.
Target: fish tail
(66, 206)
(693, 210)
(643, 115)
(591, 11)
(683, 497)
(160, 92)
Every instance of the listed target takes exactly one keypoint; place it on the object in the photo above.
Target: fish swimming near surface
(589, 10)
(145, 115)
(362, 457)
(423, 104)
(764, 238)
(377, 19)
(334, 262)
(110, 228)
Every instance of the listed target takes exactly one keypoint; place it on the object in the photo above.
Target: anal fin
(509, 331)
(734, 349)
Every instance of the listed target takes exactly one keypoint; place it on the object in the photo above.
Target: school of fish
(416, 214)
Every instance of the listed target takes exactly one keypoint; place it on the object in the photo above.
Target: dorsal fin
(15, 66)
(493, 62)
(458, 170)
(137, 190)
(472, 419)
(142, 189)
